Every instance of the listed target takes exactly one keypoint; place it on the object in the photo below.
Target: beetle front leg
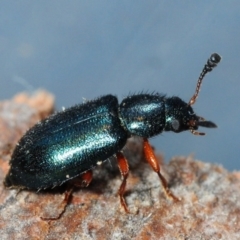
(152, 160)
(124, 169)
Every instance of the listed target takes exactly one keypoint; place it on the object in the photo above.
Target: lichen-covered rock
(209, 206)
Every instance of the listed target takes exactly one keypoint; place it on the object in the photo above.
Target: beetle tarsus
(64, 203)
(124, 169)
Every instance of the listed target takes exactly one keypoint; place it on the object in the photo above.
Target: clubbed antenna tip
(211, 63)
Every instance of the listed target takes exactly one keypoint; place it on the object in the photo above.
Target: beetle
(70, 143)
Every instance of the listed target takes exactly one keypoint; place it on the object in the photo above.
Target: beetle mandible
(70, 143)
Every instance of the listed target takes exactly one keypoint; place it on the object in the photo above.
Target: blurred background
(85, 49)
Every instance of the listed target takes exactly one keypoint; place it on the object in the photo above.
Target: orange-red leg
(124, 169)
(152, 160)
(64, 203)
(83, 180)
(86, 178)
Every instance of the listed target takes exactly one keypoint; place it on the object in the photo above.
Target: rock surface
(209, 206)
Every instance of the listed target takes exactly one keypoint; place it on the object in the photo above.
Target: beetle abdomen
(67, 144)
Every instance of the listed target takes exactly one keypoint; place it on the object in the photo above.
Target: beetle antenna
(211, 63)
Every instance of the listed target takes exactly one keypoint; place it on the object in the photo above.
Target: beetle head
(181, 117)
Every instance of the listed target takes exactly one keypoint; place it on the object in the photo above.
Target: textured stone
(209, 206)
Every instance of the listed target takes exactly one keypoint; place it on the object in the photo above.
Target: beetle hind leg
(83, 180)
(86, 178)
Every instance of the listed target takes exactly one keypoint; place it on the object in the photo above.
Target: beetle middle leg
(152, 160)
(124, 169)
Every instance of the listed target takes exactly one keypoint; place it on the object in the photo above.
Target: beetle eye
(175, 124)
(191, 113)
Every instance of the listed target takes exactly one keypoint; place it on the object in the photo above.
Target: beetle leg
(83, 180)
(152, 160)
(124, 169)
(86, 178)
(64, 203)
